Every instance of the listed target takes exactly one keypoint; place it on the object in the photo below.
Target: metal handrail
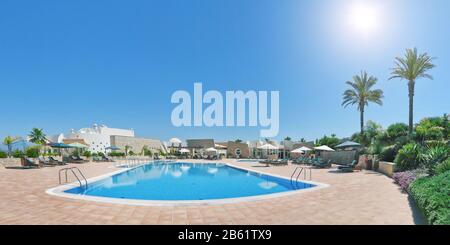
(73, 172)
(292, 176)
(304, 174)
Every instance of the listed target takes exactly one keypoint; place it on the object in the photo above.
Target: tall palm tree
(411, 67)
(9, 141)
(37, 136)
(361, 94)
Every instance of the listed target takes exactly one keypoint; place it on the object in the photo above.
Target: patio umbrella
(348, 144)
(268, 147)
(78, 145)
(304, 148)
(112, 148)
(298, 151)
(175, 141)
(60, 146)
(184, 151)
(323, 148)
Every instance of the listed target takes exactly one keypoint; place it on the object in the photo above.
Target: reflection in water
(185, 168)
(267, 185)
(213, 170)
(177, 174)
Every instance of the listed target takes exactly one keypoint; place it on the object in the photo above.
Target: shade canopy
(297, 151)
(323, 148)
(184, 151)
(348, 144)
(175, 141)
(268, 147)
(304, 148)
(60, 145)
(78, 145)
(113, 148)
(211, 149)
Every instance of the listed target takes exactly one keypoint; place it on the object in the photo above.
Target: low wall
(386, 168)
(10, 162)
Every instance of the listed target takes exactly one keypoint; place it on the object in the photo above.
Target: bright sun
(364, 18)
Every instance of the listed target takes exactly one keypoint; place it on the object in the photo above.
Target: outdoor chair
(348, 168)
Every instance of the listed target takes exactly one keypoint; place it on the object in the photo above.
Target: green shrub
(397, 130)
(87, 154)
(388, 153)
(434, 156)
(375, 148)
(17, 154)
(3, 154)
(408, 157)
(32, 152)
(442, 167)
(432, 196)
(116, 154)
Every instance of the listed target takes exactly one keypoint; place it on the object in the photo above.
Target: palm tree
(361, 94)
(410, 68)
(9, 141)
(127, 149)
(37, 136)
(288, 138)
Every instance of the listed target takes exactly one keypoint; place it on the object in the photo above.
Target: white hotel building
(99, 138)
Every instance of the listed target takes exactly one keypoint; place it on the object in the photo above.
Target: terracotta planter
(366, 162)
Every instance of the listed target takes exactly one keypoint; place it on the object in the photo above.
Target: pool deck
(352, 198)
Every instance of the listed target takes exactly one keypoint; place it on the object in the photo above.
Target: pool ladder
(302, 170)
(71, 169)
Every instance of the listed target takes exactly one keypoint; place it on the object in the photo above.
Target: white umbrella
(184, 151)
(323, 148)
(298, 151)
(304, 148)
(175, 141)
(212, 149)
(268, 147)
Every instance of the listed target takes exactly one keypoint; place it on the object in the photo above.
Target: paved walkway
(352, 198)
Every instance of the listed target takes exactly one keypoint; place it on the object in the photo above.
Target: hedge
(432, 195)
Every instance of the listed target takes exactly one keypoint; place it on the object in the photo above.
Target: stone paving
(353, 198)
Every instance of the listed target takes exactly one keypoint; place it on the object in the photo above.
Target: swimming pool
(186, 182)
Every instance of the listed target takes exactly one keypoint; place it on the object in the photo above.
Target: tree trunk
(411, 106)
(362, 119)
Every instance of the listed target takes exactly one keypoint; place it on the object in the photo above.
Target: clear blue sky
(69, 64)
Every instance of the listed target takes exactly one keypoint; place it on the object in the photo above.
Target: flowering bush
(404, 179)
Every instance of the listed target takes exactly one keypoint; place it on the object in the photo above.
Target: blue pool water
(187, 181)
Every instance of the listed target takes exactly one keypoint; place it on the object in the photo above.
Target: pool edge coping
(58, 191)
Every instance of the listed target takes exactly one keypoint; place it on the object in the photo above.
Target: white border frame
(59, 192)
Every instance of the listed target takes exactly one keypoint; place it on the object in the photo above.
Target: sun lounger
(348, 168)
(322, 164)
(46, 162)
(27, 163)
(106, 159)
(54, 161)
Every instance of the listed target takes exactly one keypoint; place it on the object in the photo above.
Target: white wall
(96, 142)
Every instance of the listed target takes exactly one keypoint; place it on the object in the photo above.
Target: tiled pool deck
(353, 198)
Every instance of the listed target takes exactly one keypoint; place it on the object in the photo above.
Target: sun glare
(364, 19)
